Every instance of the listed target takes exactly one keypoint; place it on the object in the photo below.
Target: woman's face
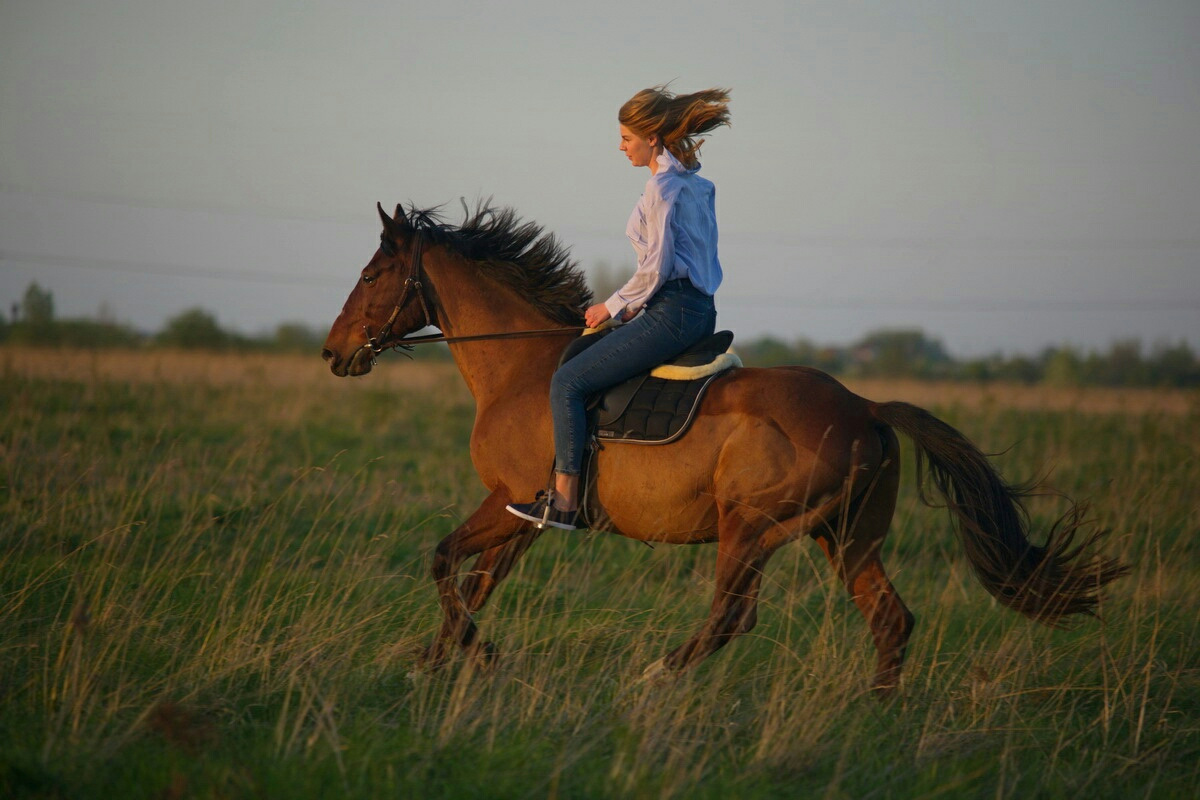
(640, 152)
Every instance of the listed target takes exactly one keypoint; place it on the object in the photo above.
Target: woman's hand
(596, 315)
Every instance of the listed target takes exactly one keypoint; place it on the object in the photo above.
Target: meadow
(214, 584)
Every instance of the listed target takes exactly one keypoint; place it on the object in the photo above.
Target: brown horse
(774, 454)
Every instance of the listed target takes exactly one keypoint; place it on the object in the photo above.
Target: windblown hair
(678, 119)
(517, 253)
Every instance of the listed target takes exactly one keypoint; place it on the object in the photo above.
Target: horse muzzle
(359, 363)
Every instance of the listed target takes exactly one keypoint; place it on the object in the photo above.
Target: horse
(773, 455)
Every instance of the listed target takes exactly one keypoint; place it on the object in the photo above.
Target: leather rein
(378, 343)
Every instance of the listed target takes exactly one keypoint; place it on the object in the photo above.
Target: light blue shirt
(673, 229)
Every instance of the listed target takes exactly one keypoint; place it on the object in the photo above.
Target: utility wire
(181, 271)
(726, 298)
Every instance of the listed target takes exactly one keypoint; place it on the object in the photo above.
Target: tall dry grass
(214, 583)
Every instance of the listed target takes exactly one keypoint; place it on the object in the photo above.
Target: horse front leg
(493, 566)
(491, 526)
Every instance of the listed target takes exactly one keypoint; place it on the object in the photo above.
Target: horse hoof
(884, 692)
(657, 672)
(433, 659)
(486, 656)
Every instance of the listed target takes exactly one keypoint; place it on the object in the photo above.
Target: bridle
(379, 342)
(412, 283)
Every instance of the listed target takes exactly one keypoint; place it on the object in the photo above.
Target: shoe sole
(540, 523)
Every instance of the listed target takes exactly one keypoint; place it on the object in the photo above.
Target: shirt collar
(669, 163)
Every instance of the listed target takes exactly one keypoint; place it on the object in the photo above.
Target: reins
(377, 343)
(430, 338)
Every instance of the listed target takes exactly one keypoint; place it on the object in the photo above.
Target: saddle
(658, 406)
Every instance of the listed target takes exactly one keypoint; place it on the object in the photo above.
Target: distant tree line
(882, 354)
(33, 322)
(911, 354)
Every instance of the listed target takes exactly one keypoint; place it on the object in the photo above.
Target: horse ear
(393, 226)
(387, 221)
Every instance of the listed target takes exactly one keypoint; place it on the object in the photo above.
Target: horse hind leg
(746, 540)
(734, 608)
(890, 620)
(853, 543)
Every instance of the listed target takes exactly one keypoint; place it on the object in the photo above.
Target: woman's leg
(673, 321)
(566, 491)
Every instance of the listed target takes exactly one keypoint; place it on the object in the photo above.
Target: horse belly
(659, 492)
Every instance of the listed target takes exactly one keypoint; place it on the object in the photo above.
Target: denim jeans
(677, 316)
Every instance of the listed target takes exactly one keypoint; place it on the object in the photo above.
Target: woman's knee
(564, 388)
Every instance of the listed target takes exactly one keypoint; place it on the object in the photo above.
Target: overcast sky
(1004, 175)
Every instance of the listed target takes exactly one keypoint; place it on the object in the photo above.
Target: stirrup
(542, 513)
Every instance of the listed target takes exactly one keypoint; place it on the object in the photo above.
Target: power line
(977, 243)
(966, 304)
(727, 299)
(181, 271)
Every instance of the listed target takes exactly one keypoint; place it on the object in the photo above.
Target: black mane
(519, 254)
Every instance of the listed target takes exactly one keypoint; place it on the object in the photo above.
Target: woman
(668, 302)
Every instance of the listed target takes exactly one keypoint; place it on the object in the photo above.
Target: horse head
(388, 301)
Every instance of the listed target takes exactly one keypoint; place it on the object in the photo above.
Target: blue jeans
(677, 316)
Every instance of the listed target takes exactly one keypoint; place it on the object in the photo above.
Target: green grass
(219, 587)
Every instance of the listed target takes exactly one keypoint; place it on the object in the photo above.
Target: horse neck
(470, 304)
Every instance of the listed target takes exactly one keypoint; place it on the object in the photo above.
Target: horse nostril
(327, 354)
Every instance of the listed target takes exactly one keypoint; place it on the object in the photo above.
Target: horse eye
(368, 279)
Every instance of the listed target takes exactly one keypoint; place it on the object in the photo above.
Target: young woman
(668, 303)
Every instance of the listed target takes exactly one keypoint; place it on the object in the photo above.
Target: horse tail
(1047, 582)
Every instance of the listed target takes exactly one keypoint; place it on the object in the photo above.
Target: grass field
(215, 582)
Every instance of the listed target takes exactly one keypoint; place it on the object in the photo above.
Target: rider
(674, 233)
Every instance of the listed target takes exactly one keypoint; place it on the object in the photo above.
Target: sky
(1005, 175)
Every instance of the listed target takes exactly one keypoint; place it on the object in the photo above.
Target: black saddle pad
(648, 410)
(657, 412)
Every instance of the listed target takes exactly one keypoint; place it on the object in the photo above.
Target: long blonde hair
(676, 119)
